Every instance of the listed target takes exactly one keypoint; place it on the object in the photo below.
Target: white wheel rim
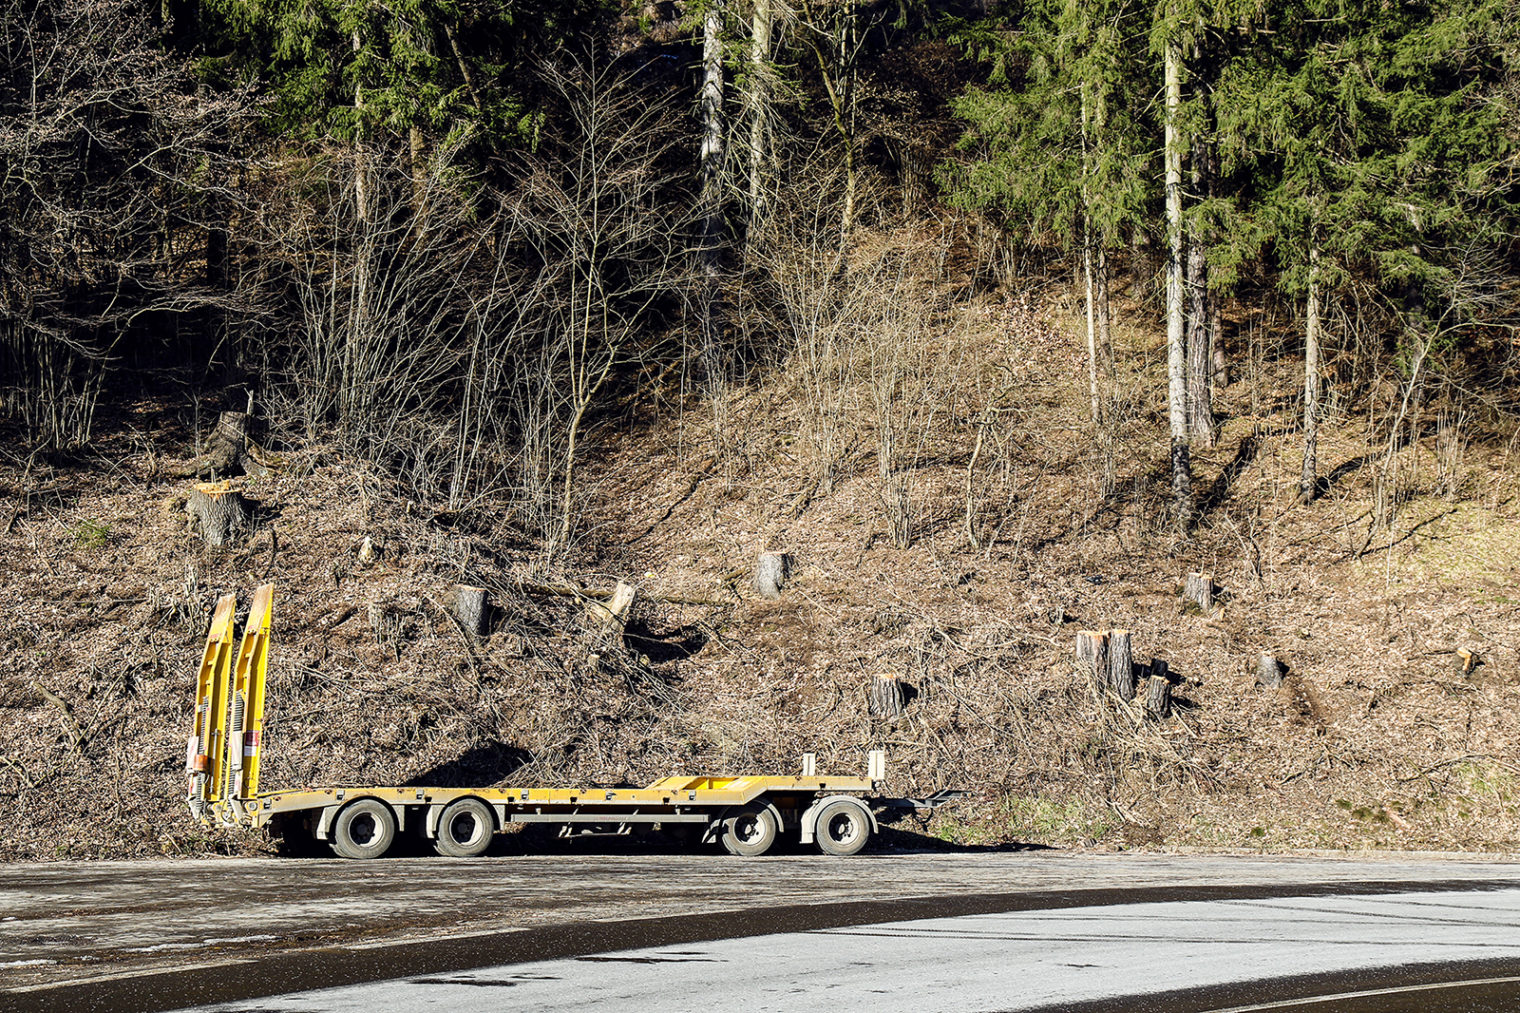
(747, 828)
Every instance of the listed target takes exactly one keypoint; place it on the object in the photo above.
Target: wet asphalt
(169, 935)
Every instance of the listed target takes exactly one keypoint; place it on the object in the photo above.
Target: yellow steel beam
(247, 708)
(202, 745)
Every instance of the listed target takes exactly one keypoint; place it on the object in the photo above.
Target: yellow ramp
(247, 707)
(210, 714)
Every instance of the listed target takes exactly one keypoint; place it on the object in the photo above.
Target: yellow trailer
(747, 814)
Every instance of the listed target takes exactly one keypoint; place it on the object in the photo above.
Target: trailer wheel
(843, 828)
(464, 829)
(749, 831)
(365, 828)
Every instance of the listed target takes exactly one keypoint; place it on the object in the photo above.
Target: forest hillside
(1126, 400)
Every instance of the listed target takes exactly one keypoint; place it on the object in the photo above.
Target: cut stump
(608, 618)
(1199, 591)
(1121, 664)
(472, 607)
(887, 699)
(1092, 655)
(220, 512)
(771, 573)
(1158, 690)
(229, 451)
(1269, 671)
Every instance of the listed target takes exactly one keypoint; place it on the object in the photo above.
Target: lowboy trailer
(747, 814)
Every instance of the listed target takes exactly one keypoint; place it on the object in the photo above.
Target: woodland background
(1000, 319)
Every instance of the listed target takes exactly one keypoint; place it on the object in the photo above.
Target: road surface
(174, 934)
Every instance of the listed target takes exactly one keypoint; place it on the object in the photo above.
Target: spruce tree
(1371, 143)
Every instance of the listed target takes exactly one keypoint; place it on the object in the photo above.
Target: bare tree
(712, 154)
(602, 221)
(116, 174)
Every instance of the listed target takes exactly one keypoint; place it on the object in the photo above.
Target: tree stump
(887, 699)
(605, 623)
(220, 512)
(1121, 664)
(1199, 590)
(472, 607)
(1092, 655)
(772, 573)
(229, 451)
(610, 617)
(1158, 689)
(1269, 671)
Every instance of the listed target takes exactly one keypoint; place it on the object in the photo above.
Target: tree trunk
(1121, 664)
(1309, 479)
(221, 513)
(772, 572)
(1219, 364)
(759, 105)
(1200, 398)
(472, 607)
(1269, 671)
(1140, 276)
(714, 229)
(1105, 335)
(887, 699)
(837, 69)
(1199, 591)
(1200, 366)
(361, 182)
(1176, 352)
(1092, 332)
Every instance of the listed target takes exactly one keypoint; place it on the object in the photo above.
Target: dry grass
(1376, 740)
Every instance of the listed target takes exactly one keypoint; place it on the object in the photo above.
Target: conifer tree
(1060, 148)
(351, 68)
(1374, 140)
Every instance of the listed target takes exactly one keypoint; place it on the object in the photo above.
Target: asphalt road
(171, 934)
(1113, 956)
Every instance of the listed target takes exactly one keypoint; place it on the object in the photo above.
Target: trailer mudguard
(810, 815)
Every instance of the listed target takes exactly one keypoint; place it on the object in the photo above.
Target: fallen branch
(66, 711)
(14, 764)
(1453, 761)
(571, 591)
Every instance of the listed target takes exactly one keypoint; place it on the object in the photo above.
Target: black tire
(294, 837)
(843, 828)
(750, 831)
(365, 828)
(465, 829)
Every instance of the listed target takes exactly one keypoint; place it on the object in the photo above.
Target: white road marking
(976, 964)
(1366, 994)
